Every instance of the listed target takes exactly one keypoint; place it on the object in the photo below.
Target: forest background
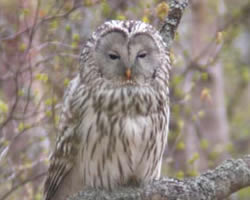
(40, 44)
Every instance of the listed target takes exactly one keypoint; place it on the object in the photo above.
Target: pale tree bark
(215, 184)
(207, 96)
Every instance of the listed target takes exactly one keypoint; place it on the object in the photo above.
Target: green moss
(244, 194)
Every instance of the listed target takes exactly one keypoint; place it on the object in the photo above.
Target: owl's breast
(134, 102)
(121, 143)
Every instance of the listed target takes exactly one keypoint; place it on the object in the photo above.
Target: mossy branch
(171, 23)
(229, 177)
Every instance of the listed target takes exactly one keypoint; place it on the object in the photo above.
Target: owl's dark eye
(142, 55)
(113, 56)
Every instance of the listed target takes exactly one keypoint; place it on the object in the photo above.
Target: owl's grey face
(127, 60)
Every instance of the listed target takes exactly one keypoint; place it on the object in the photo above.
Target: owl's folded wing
(63, 159)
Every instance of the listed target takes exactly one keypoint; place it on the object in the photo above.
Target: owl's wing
(61, 162)
(63, 158)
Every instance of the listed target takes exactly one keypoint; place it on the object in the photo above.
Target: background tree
(40, 43)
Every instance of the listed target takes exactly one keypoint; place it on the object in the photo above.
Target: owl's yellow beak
(128, 73)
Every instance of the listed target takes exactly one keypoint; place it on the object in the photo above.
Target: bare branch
(30, 179)
(35, 26)
(233, 21)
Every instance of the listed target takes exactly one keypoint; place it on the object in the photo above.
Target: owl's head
(126, 53)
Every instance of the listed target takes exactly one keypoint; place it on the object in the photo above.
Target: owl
(115, 115)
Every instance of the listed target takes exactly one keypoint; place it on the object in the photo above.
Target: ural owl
(114, 123)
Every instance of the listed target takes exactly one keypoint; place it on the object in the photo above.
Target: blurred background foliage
(40, 43)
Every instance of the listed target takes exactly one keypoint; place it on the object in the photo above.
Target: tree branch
(215, 184)
(168, 30)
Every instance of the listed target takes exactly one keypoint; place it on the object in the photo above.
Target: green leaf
(106, 10)
(162, 10)
(66, 82)
(145, 19)
(50, 101)
(67, 28)
(22, 47)
(192, 173)
(21, 127)
(194, 158)
(204, 76)
(204, 144)
(76, 37)
(245, 74)
(87, 3)
(48, 113)
(54, 24)
(3, 107)
(74, 45)
(20, 93)
(42, 77)
(180, 175)
(180, 146)
(120, 17)
(38, 196)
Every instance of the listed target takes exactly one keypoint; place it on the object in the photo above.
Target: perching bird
(115, 116)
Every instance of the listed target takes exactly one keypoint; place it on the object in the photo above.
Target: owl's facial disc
(127, 60)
